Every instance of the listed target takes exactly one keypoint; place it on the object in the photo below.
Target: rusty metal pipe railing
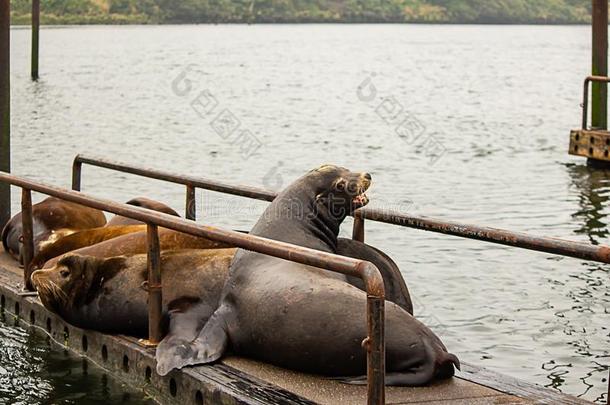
(27, 237)
(586, 251)
(243, 191)
(155, 290)
(585, 96)
(562, 247)
(191, 204)
(374, 343)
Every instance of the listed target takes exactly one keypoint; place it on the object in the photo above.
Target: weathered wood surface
(242, 381)
(594, 144)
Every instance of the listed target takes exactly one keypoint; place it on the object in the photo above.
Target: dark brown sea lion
(135, 243)
(80, 239)
(302, 317)
(143, 202)
(107, 294)
(52, 218)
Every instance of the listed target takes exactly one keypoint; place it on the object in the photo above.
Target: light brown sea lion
(134, 243)
(80, 239)
(108, 294)
(305, 318)
(143, 202)
(52, 218)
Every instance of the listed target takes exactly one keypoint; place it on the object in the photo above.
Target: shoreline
(142, 23)
(140, 19)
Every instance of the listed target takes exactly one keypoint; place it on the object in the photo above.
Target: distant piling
(35, 37)
(5, 105)
(599, 94)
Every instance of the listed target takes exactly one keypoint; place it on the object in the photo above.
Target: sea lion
(80, 239)
(108, 294)
(305, 318)
(136, 242)
(52, 218)
(143, 202)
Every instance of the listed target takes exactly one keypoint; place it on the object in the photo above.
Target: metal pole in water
(599, 95)
(35, 36)
(5, 105)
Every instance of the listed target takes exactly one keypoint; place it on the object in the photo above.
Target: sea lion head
(73, 281)
(338, 190)
(309, 212)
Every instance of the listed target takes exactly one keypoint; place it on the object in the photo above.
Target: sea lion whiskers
(57, 292)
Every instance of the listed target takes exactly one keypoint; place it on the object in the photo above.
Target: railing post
(77, 167)
(155, 295)
(27, 248)
(191, 205)
(375, 346)
(585, 104)
(358, 229)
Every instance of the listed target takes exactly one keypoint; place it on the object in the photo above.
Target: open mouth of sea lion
(361, 199)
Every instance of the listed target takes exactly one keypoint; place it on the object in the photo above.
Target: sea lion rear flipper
(414, 378)
(185, 349)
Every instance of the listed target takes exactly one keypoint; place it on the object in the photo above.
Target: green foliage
(251, 11)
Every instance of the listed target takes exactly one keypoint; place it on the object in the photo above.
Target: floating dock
(237, 380)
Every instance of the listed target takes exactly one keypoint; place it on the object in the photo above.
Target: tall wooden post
(599, 95)
(35, 36)
(5, 105)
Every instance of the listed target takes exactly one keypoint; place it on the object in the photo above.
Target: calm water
(486, 112)
(34, 372)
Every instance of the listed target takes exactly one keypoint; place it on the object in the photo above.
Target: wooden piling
(35, 36)
(5, 104)
(599, 95)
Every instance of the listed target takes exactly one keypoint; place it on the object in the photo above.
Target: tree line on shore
(304, 11)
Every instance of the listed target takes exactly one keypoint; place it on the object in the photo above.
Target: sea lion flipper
(418, 377)
(209, 345)
(396, 289)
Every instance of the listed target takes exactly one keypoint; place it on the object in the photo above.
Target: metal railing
(598, 253)
(370, 275)
(585, 96)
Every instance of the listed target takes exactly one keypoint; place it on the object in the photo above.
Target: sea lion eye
(64, 273)
(340, 186)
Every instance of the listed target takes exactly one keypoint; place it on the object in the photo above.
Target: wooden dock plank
(514, 386)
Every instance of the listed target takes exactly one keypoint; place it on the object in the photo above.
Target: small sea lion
(108, 294)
